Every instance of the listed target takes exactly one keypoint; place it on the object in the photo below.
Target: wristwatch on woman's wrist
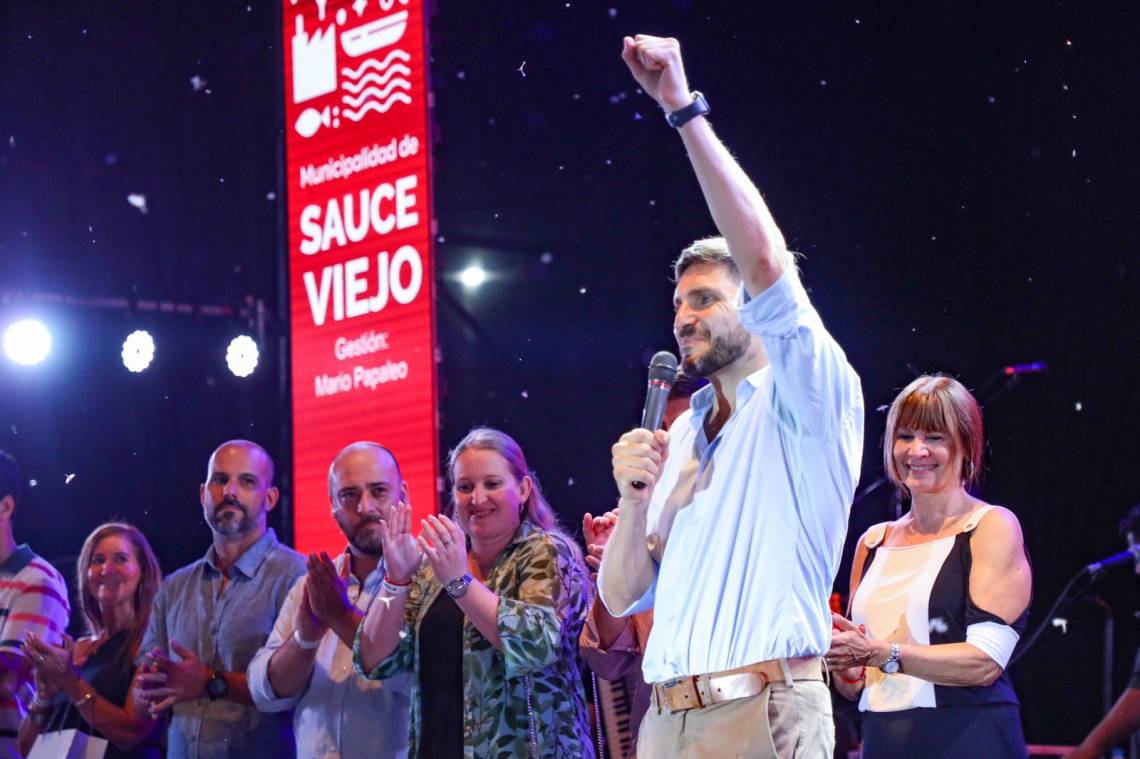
(458, 588)
(891, 665)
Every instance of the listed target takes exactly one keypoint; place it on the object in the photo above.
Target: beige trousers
(785, 721)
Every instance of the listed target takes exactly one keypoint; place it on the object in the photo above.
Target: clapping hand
(54, 665)
(172, 682)
(327, 588)
(597, 532)
(402, 553)
(851, 649)
(445, 546)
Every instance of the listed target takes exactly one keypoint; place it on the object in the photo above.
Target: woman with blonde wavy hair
(86, 684)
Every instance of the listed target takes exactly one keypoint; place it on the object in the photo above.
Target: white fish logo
(312, 120)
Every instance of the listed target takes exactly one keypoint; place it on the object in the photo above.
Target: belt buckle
(681, 693)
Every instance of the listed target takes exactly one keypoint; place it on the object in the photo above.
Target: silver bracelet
(307, 645)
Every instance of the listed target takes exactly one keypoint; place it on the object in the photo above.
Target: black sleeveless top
(949, 610)
(109, 671)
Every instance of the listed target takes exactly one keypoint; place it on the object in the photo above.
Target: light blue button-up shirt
(340, 714)
(752, 523)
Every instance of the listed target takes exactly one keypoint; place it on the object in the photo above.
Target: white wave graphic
(374, 78)
(355, 74)
(372, 105)
(376, 93)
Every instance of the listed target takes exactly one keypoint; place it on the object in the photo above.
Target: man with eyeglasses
(306, 665)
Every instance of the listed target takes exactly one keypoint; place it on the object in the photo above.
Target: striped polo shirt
(33, 598)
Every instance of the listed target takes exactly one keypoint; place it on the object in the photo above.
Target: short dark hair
(714, 250)
(11, 482)
(710, 250)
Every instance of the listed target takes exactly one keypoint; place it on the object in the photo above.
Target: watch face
(216, 686)
(890, 666)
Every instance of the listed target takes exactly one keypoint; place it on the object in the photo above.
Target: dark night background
(960, 177)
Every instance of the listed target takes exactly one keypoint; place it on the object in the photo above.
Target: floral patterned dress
(528, 699)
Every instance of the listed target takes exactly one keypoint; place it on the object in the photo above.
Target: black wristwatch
(699, 107)
(216, 686)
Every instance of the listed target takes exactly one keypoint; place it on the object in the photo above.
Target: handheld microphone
(1016, 370)
(662, 374)
(1131, 555)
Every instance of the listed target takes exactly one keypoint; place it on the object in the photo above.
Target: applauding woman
(86, 685)
(489, 623)
(939, 597)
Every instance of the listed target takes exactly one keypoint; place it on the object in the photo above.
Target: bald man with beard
(212, 616)
(307, 663)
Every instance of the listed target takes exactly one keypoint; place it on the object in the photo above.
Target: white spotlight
(138, 350)
(473, 276)
(241, 356)
(27, 342)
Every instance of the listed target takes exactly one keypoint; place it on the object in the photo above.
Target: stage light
(241, 356)
(27, 342)
(138, 350)
(473, 276)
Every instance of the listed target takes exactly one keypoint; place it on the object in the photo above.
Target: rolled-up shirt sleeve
(817, 391)
(531, 626)
(616, 660)
(260, 687)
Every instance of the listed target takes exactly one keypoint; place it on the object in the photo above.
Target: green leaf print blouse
(544, 594)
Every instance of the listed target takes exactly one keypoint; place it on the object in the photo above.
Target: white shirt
(340, 713)
(753, 522)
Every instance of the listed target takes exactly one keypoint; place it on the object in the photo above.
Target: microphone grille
(663, 367)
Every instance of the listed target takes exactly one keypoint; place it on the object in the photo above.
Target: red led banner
(360, 268)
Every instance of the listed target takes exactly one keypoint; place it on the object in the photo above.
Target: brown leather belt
(696, 691)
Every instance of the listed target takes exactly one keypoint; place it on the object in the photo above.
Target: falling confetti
(570, 482)
(197, 83)
(524, 394)
(138, 200)
(1078, 406)
(68, 478)
(522, 69)
(33, 483)
(612, 12)
(271, 195)
(582, 290)
(546, 257)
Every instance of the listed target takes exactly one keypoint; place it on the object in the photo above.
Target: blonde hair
(535, 508)
(150, 577)
(936, 403)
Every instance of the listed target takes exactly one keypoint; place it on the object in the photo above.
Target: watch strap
(457, 588)
(699, 107)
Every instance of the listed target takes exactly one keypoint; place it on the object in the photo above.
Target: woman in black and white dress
(939, 597)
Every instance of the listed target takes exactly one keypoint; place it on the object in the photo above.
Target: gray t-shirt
(225, 630)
